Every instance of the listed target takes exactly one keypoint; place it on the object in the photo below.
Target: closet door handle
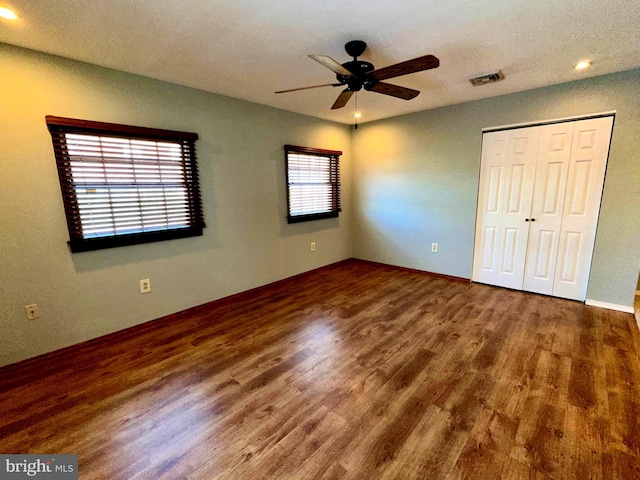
(533, 219)
(526, 219)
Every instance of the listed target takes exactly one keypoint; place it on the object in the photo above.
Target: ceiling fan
(358, 74)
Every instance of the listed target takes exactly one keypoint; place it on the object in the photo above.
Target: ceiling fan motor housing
(360, 69)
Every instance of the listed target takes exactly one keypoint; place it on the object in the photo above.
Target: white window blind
(313, 183)
(125, 185)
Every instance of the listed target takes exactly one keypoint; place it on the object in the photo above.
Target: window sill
(312, 216)
(90, 244)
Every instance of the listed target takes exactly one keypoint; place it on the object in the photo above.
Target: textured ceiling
(250, 48)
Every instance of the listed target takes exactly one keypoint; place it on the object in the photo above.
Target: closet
(538, 206)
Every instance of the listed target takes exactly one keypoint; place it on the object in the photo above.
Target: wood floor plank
(353, 371)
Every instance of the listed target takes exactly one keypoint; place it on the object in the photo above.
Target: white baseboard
(609, 306)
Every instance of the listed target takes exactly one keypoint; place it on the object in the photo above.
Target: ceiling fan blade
(342, 99)
(419, 64)
(395, 90)
(307, 88)
(331, 64)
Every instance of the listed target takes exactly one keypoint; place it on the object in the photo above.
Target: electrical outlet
(145, 285)
(434, 247)
(313, 246)
(32, 311)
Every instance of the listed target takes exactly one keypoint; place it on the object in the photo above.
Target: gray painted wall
(416, 180)
(247, 241)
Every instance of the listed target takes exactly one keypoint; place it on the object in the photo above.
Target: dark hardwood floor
(353, 371)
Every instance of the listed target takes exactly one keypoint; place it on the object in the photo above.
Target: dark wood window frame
(313, 191)
(156, 175)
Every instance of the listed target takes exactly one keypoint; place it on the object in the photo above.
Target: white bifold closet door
(506, 186)
(552, 167)
(538, 206)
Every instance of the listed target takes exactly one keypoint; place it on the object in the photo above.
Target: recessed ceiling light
(582, 65)
(8, 13)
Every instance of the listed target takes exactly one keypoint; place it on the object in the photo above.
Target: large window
(124, 185)
(313, 183)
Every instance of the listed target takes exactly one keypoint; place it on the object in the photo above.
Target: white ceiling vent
(489, 78)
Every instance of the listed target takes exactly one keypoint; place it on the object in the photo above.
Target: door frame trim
(512, 126)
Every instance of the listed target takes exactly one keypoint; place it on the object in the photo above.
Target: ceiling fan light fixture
(357, 115)
(358, 74)
(582, 65)
(8, 13)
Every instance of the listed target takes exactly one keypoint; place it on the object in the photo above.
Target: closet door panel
(520, 168)
(554, 153)
(490, 198)
(589, 153)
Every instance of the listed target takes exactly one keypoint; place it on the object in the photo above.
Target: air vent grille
(489, 78)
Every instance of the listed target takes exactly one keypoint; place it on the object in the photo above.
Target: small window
(313, 183)
(124, 185)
